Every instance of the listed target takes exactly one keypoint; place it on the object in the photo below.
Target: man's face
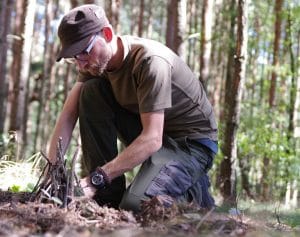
(96, 61)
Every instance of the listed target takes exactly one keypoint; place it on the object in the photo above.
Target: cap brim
(69, 51)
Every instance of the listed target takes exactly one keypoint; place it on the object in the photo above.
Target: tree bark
(293, 90)
(141, 18)
(5, 20)
(20, 68)
(233, 107)
(275, 64)
(113, 14)
(176, 21)
(150, 19)
(277, 30)
(205, 49)
(44, 112)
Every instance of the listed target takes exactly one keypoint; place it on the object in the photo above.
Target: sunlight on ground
(19, 176)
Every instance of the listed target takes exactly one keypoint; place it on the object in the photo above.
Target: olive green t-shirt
(153, 78)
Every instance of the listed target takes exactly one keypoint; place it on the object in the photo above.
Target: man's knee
(130, 202)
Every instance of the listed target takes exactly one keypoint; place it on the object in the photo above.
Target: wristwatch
(99, 178)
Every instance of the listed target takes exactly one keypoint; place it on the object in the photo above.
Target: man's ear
(107, 33)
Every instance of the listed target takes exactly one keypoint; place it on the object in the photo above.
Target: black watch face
(97, 179)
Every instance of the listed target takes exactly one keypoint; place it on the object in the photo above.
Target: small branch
(58, 182)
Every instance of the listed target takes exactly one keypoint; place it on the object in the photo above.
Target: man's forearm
(136, 153)
(66, 122)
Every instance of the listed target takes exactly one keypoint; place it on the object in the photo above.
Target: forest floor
(83, 217)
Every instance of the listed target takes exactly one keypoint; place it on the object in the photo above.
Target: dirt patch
(84, 217)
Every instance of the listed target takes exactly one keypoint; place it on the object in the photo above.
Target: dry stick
(205, 217)
(58, 182)
(72, 173)
(62, 174)
(42, 175)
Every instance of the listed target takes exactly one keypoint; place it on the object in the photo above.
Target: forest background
(245, 52)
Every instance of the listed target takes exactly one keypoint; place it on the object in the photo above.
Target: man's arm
(148, 142)
(66, 122)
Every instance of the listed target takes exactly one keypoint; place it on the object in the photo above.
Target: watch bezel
(97, 180)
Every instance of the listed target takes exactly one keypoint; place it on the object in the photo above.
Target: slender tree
(113, 13)
(205, 50)
(20, 67)
(276, 45)
(176, 21)
(141, 18)
(275, 64)
(150, 19)
(5, 22)
(233, 106)
(74, 3)
(191, 30)
(292, 111)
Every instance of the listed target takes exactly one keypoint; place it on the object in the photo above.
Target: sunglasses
(84, 55)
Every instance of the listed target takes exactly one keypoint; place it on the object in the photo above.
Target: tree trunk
(245, 166)
(25, 71)
(205, 50)
(150, 19)
(277, 29)
(293, 90)
(191, 40)
(14, 123)
(133, 17)
(5, 20)
(176, 21)
(141, 19)
(233, 108)
(20, 67)
(45, 89)
(113, 12)
(74, 3)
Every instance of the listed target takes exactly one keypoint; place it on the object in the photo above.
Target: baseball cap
(76, 28)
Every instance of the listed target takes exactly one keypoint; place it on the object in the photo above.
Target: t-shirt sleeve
(154, 84)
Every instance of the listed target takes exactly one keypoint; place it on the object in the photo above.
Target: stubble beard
(97, 68)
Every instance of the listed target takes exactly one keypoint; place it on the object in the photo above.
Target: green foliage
(263, 134)
(15, 188)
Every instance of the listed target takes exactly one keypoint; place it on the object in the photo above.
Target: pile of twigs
(56, 183)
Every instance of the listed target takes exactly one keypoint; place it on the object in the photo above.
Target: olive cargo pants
(178, 169)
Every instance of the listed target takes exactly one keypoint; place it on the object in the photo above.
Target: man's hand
(88, 189)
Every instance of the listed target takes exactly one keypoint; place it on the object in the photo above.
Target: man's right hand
(88, 189)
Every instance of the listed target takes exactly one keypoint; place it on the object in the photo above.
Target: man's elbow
(156, 144)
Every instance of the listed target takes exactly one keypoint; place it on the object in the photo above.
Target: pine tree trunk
(176, 23)
(205, 50)
(293, 90)
(233, 110)
(5, 20)
(20, 70)
(141, 19)
(150, 19)
(113, 14)
(190, 17)
(277, 29)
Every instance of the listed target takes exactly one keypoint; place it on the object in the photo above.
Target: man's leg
(178, 170)
(101, 119)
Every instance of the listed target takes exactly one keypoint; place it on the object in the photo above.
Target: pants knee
(130, 202)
